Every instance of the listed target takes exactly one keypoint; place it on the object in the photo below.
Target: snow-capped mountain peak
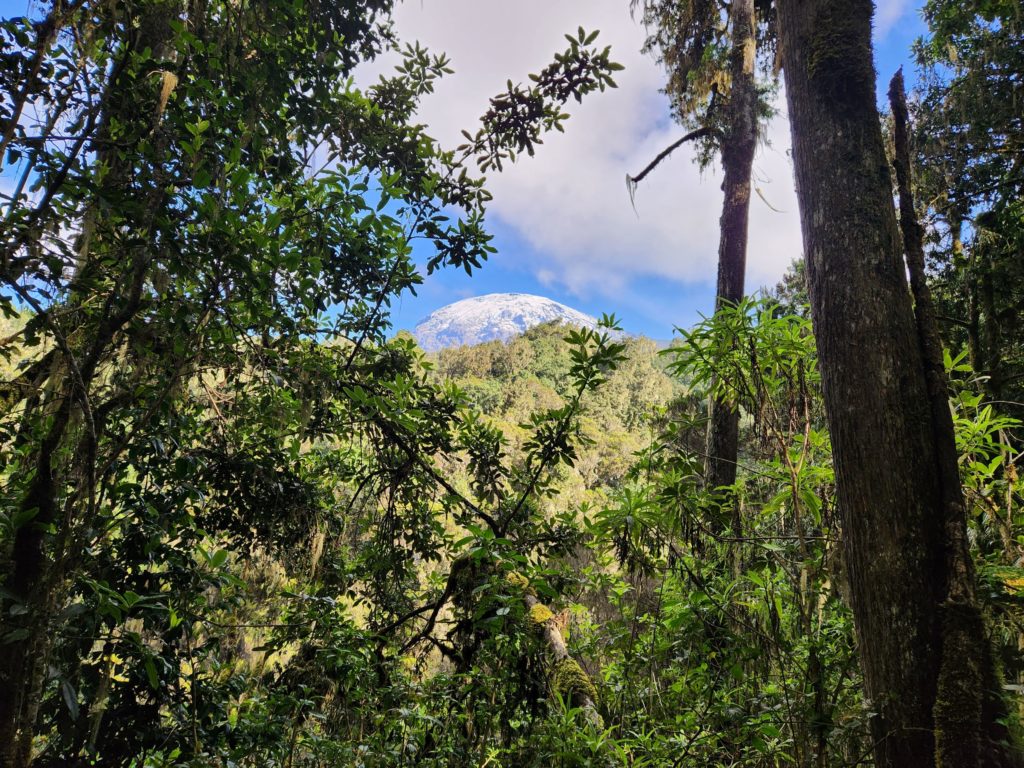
(494, 316)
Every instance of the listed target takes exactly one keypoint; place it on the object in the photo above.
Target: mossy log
(566, 677)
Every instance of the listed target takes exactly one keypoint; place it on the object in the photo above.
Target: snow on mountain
(494, 316)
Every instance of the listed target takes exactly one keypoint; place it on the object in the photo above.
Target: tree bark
(990, 330)
(969, 713)
(567, 678)
(887, 449)
(29, 584)
(737, 161)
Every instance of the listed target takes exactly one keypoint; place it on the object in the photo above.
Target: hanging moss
(540, 613)
(570, 681)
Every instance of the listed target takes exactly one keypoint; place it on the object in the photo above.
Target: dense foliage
(970, 149)
(241, 523)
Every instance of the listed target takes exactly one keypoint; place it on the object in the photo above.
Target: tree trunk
(63, 457)
(737, 161)
(886, 446)
(29, 585)
(991, 333)
(566, 677)
(970, 712)
(967, 265)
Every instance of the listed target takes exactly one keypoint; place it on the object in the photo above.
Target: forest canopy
(244, 522)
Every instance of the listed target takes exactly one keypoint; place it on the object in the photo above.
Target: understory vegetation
(245, 523)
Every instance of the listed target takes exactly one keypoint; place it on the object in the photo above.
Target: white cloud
(887, 13)
(570, 201)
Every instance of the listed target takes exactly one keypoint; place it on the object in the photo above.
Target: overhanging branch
(633, 181)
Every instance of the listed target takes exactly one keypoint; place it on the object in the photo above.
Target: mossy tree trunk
(920, 652)
(566, 677)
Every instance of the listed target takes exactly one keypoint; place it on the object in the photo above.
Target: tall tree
(738, 147)
(921, 638)
(711, 55)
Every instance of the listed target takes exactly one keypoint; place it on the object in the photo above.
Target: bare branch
(633, 181)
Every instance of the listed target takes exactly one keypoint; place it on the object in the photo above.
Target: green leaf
(154, 680)
(70, 698)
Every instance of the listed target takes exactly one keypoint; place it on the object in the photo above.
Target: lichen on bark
(570, 681)
(540, 613)
(518, 581)
(836, 60)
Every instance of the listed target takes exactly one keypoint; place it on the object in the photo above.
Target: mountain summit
(494, 316)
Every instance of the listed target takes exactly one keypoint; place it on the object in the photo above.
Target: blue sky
(562, 220)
